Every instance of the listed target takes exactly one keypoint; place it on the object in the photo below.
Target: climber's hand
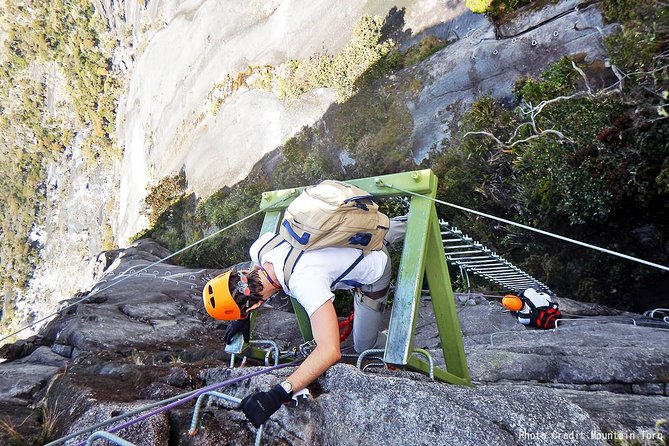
(259, 406)
(240, 326)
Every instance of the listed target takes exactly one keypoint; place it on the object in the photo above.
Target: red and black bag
(544, 317)
(547, 318)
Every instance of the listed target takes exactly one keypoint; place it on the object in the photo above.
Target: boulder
(24, 377)
(352, 408)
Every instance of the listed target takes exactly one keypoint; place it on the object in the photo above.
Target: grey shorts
(369, 312)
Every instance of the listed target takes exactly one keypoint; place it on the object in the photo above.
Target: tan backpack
(330, 214)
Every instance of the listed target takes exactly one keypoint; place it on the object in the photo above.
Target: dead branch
(532, 111)
(582, 73)
(520, 141)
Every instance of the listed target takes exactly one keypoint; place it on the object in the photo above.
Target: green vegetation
(339, 72)
(374, 127)
(166, 193)
(39, 120)
(600, 187)
(366, 57)
(502, 10)
(70, 34)
(187, 221)
(604, 181)
(421, 51)
(306, 160)
(495, 6)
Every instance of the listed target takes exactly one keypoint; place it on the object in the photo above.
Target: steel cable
(529, 228)
(124, 278)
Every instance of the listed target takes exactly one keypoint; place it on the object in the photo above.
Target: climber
(235, 294)
(533, 309)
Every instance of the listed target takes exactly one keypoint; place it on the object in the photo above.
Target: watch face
(287, 386)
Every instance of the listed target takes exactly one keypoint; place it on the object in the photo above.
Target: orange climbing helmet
(218, 301)
(512, 302)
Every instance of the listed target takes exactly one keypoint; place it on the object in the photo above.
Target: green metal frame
(422, 256)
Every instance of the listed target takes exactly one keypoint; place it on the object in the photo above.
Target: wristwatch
(288, 387)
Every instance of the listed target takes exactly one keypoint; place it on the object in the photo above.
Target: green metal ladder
(422, 256)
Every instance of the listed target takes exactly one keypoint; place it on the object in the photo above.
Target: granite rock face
(167, 120)
(365, 408)
(137, 340)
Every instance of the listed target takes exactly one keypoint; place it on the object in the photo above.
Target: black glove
(239, 326)
(259, 406)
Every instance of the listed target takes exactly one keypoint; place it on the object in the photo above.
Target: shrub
(167, 192)
(559, 80)
(479, 6)
(374, 128)
(495, 6)
(637, 46)
(601, 187)
(341, 72)
(424, 49)
(305, 160)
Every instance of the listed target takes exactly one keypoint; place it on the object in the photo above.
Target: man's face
(266, 292)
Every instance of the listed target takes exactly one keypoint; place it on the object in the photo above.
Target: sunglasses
(243, 284)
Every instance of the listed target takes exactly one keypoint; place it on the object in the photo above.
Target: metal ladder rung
(472, 257)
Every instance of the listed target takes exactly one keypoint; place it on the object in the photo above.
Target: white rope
(529, 228)
(124, 278)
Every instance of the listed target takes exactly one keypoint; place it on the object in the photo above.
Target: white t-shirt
(316, 270)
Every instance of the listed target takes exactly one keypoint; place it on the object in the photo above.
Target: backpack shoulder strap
(289, 264)
(290, 260)
(529, 303)
(270, 245)
(294, 255)
(534, 312)
(349, 269)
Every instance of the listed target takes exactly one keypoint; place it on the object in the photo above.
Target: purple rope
(193, 396)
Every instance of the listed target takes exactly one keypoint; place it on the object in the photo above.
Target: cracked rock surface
(147, 339)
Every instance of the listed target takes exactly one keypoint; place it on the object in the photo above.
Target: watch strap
(288, 387)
